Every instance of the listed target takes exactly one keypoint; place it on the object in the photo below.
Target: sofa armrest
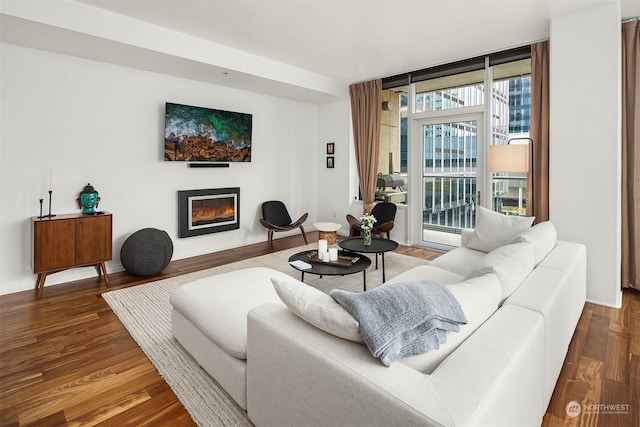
(556, 289)
(495, 377)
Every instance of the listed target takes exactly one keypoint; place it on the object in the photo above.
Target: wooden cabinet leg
(40, 284)
(103, 268)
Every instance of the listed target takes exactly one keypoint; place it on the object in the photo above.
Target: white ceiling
(308, 50)
(355, 40)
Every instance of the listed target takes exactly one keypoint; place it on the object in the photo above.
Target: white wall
(585, 141)
(333, 197)
(103, 124)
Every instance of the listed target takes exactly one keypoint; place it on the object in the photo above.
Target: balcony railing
(449, 201)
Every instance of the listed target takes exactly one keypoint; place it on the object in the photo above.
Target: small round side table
(328, 231)
(377, 246)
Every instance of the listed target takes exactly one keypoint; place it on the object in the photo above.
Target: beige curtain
(538, 180)
(631, 154)
(366, 107)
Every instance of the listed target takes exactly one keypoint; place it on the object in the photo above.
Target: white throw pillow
(317, 308)
(511, 263)
(494, 229)
(542, 236)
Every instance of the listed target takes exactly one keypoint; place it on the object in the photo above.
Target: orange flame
(210, 211)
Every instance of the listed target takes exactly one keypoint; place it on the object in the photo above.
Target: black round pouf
(146, 252)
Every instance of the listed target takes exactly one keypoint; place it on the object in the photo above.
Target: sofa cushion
(542, 236)
(459, 260)
(511, 263)
(493, 229)
(495, 378)
(428, 272)
(317, 308)
(218, 305)
(479, 298)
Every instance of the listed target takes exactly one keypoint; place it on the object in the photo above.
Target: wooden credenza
(68, 241)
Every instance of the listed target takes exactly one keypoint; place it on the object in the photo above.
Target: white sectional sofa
(502, 373)
(303, 363)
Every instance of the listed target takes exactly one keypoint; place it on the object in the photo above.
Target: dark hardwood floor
(66, 359)
(602, 369)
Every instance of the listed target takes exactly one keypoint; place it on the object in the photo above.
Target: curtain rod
(630, 19)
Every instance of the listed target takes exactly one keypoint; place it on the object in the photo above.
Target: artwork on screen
(197, 134)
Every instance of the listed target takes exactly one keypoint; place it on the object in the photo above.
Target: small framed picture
(330, 148)
(330, 163)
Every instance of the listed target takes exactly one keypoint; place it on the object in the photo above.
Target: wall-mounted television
(198, 134)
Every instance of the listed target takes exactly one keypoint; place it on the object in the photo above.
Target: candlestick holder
(40, 217)
(50, 214)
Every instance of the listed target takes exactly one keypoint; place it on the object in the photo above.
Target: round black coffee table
(332, 268)
(377, 246)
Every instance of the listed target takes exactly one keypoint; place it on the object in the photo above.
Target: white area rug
(146, 313)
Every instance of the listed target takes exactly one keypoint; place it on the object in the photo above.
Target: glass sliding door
(450, 178)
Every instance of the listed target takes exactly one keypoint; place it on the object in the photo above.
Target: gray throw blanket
(399, 320)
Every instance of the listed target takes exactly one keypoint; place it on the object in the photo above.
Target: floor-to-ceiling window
(392, 162)
(510, 116)
(437, 125)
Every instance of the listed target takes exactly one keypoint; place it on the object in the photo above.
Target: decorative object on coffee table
(367, 222)
(146, 252)
(347, 263)
(377, 246)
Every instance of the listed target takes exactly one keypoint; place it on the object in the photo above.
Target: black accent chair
(275, 217)
(384, 213)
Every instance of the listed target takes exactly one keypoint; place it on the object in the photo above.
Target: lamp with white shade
(512, 158)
